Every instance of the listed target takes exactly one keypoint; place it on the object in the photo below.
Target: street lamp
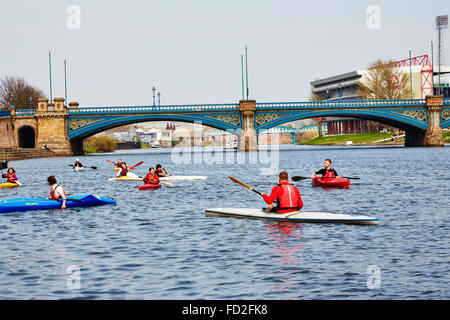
(154, 90)
(159, 98)
(31, 98)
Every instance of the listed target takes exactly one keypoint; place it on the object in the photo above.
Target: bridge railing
(5, 113)
(25, 112)
(340, 104)
(154, 109)
(446, 102)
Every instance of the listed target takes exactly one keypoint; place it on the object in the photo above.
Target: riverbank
(356, 139)
(11, 154)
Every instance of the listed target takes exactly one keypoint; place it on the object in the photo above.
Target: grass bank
(364, 138)
(446, 135)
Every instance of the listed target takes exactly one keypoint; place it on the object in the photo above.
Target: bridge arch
(26, 137)
(112, 122)
(397, 120)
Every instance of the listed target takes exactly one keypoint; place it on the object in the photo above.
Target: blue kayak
(26, 204)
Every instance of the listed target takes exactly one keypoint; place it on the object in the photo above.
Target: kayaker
(151, 177)
(10, 175)
(286, 195)
(160, 171)
(326, 172)
(57, 192)
(77, 164)
(119, 163)
(124, 170)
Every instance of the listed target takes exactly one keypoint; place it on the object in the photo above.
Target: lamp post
(154, 90)
(30, 99)
(159, 98)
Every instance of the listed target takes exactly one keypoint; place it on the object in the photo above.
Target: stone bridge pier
(432, 137)
(248, 138)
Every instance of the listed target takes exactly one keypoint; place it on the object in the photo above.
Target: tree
(316, 97)
(20, 91)
(384, 81)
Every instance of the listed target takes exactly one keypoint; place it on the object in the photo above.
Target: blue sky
(191, 50)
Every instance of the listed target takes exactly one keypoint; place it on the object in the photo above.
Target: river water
(158, 244)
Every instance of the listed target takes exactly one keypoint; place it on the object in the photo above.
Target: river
(158, 244)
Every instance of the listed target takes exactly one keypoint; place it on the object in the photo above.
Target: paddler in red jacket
(123, 170)
(286, 195)
(10, 176)
(326, 172)
(151, 177)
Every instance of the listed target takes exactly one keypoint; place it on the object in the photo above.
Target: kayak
(26, 204)
(296, 216)
(10, 185)
(129, 177)
(116, 169)
(169, 178)
(126, 178)
(330, 182)
(148, 186)
(77, 169)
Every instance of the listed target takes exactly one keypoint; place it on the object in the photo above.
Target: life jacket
(10, 177)
(288, 200)
(53, 195)
(151, 179)
(329, 174)
(124, 171)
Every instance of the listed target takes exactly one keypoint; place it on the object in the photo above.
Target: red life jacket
(124, 171)
(329, 174)
(151, 179)
(288, 199)
(160, 172)
(53, 195)
(10, 177)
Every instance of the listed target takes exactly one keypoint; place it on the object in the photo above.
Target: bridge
(62, 128)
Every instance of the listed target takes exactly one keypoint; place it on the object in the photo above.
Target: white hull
(171, 178)
(297, 216)
(76, 169)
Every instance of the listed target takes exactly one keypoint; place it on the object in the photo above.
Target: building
(344, 87)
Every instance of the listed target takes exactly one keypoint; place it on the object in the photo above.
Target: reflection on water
(287, 247)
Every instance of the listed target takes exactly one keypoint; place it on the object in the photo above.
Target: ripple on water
(160, 244)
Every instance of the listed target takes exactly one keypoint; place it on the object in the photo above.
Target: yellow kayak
(116, 169)
(10, 185)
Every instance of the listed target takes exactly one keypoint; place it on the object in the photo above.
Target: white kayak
(169, 178)
(296, 216)
(77, 169)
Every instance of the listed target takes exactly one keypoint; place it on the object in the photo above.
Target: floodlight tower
(441, 24)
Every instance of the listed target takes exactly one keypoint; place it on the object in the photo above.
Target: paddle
(111, 161)
(298, 178)
(244, 185)
(140, 162)
(168, 184)
(93, 167)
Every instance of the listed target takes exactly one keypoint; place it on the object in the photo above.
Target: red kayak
(149, 186)
(330, 182)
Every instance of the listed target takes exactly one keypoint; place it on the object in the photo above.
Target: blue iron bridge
(410, 114)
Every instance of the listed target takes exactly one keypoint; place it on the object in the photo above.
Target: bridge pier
(248, 138)
(433, 137)
(52, 126)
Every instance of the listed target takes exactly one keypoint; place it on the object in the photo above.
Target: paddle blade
(298, 178)
(244, 185)
(95, 168)
(110, 161)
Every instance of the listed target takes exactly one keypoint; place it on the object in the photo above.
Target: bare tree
(23, 95)
(384, 81)
(316, 97)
